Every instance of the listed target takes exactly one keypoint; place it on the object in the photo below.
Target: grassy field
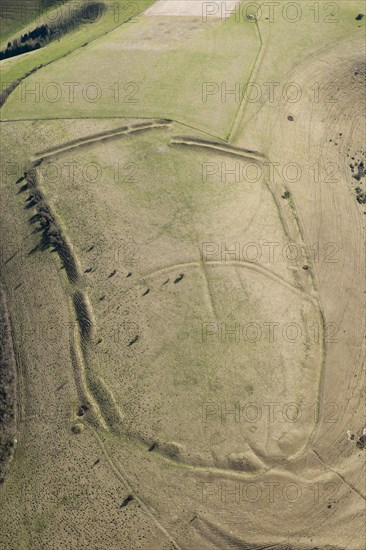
(189, 349)
(212, 53)
(313, 33)
(118, 13)
(175, 222)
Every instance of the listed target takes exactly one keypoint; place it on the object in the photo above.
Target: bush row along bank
(8, 389)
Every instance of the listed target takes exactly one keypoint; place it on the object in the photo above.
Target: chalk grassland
(131, 87)
(56, 474)
(328, 131)
(121, 64)
(114, 368)
(98, 468)
(312, 33)
(143, 296)
(333, 134)
(118, 13)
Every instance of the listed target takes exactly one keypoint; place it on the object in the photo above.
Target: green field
(126, 86)
(118, 13)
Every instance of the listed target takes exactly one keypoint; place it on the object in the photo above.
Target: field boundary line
(101, 136)
(242, 107)
(220, 147)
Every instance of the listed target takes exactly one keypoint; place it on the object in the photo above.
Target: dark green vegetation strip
(8, 388)
(17, 13)
(41, 36)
